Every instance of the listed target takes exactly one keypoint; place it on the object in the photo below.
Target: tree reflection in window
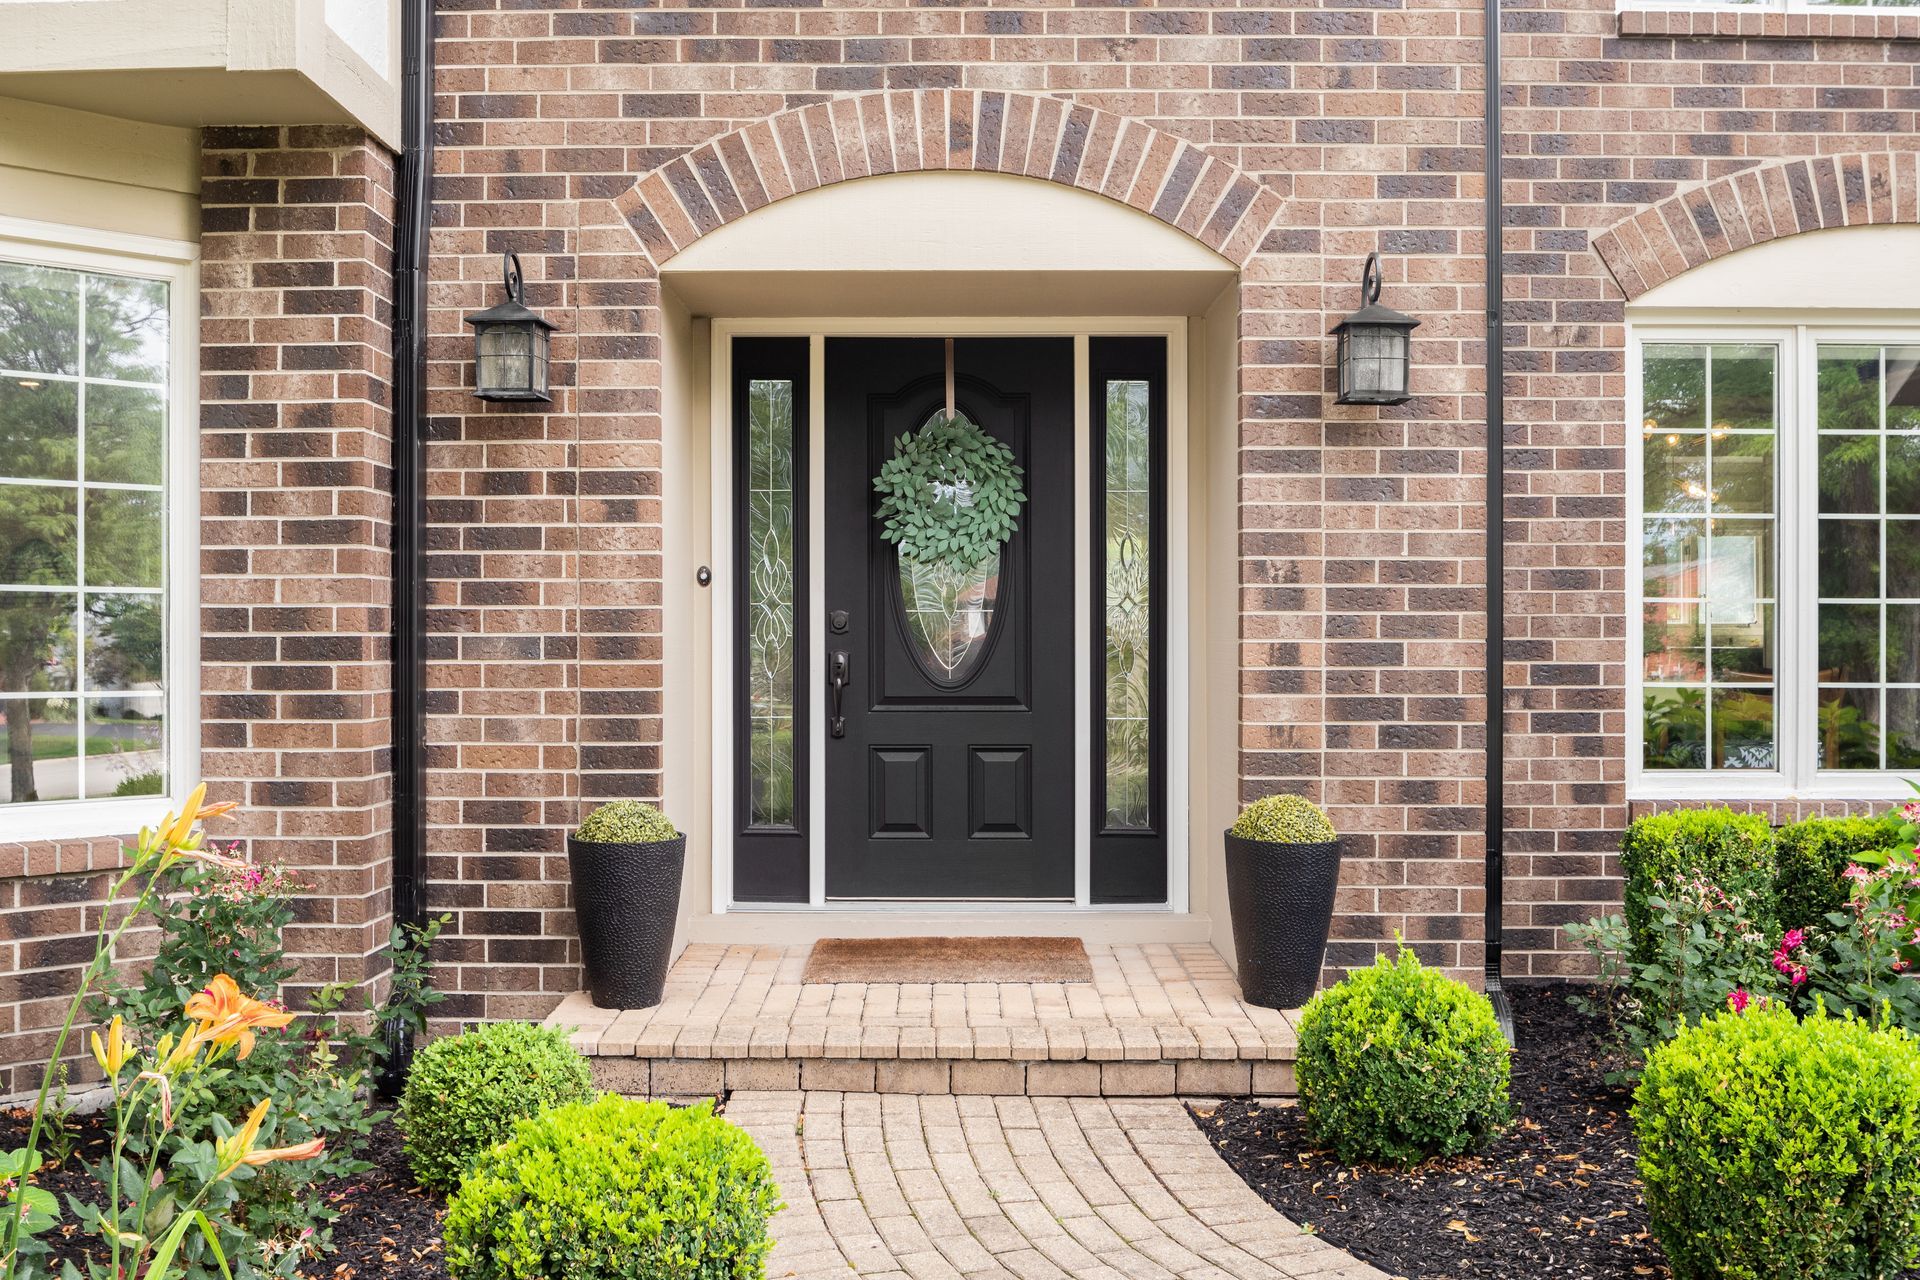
(1708, 539)
(1868, 469)
(83, 383)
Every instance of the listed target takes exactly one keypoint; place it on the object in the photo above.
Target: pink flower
(1793, 940)
(1737, 999)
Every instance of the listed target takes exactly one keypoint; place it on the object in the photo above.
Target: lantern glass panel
(1376, 361)
(512, 361)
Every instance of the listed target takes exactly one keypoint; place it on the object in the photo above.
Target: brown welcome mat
(948, 960)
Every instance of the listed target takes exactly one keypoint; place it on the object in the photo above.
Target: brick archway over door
(1707, 222)
(923, 130)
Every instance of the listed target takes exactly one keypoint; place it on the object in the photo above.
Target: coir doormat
(948, 960)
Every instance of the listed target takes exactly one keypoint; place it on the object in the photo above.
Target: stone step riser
(685, 1077)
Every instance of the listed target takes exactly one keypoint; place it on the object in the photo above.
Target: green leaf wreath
(950, 494)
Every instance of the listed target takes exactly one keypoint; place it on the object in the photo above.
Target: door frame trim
(1179, 621)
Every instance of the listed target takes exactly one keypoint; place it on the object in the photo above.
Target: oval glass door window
(948, 611)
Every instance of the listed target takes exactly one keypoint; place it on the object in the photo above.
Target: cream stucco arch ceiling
(947, 242)
(1852, 269)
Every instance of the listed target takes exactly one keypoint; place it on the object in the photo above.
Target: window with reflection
(1707, 549)
(1128, 539)
(771, 551)
(83, 444)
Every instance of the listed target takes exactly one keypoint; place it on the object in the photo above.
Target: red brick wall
(297, 501)
(1603, 128)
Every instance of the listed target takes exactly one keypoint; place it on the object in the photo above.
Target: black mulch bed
(389, 1227)
(1554, 1198)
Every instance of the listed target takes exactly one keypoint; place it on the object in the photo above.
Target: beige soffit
(947, 243)
(204, 62)
(80, 169)
(1842, 269)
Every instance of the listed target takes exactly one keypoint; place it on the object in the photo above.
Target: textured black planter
(626, 898)
(1281, 896)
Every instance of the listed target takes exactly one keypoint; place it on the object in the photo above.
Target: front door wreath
(950, 495)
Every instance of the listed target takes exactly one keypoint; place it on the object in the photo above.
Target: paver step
(1156, 1020)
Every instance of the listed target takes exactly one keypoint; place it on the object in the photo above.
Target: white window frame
(1796, 590)
(176, 262)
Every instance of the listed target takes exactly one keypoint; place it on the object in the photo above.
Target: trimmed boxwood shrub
(1728, 849)
(626, 822)
(464, 1093)
(1400, 1062)
(1284, 819)
(1779, 1149)
(615, 1190)
(1810, 857)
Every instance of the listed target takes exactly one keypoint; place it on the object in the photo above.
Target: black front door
(950, 774)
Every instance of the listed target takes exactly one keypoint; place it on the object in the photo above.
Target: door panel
(952, 774)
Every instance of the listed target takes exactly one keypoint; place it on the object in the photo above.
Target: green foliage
(615, 1190)
(1284, 819)
(140, 784)
(217, 919)
(1731, 850)
(950, 495)
(1866, 962)
(1811, 859)
(1399, 1062)
(465, 1092)
(1777, 1149)
(1700, 949)
(626, 822)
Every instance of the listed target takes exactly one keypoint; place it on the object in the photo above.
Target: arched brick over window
(1755, 205)
(931, 129)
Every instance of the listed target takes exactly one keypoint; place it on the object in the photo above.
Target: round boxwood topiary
(615, 1190)
(464, 1093)
(1778, 1149)
(626, 822)
(1399, 1062)
(1284, 819)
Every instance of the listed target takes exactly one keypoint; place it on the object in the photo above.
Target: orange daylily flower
(226, 1016)
(176, 834)
(112, 1053)
(239, 1149)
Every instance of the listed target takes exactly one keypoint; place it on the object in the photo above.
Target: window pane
(125, 746)
(126, 329)
(39, 319)
(43, 746)
(124, 532)
(1128, 542)
(38, 429)
(1708, 607)
(1900, 732)
(1849, 727)
(1849, 382)
(1903, 388)
(1849, 558)
(771, 547)
(126, 433)
(125, 642)
(1850, 643)
(37, 641)
(39, 536)
(1849, 474)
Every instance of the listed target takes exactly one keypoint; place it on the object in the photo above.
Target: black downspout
(1496, 527)
(414, 217)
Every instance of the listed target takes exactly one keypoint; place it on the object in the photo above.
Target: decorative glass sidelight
(771, 605)
(1128, 531)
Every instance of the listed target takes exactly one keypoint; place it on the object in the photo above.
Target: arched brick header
(929, 129)
(1764, 203)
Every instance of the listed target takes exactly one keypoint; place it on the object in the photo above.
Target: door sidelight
(837, 681)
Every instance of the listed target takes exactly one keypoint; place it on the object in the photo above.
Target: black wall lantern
(1374, 347)
(510, 344)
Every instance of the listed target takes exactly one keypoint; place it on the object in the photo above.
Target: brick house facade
(600, 143)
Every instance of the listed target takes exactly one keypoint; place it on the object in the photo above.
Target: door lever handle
(837, 681)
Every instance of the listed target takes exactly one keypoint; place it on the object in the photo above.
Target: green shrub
(1731, 850)
(1399, 1062)
(615, 1190)
(1810, 857)
(626, 822)
(150, 783)
(465, 1092)
(1284, 820)
(1776, 1149)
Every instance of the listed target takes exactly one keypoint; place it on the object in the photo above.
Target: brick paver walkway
(898, 1187)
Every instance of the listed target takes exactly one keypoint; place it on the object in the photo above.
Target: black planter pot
(626, 898)
(1281, 897)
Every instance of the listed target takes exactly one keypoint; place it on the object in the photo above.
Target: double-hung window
(96, 579)
(1775, 554)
